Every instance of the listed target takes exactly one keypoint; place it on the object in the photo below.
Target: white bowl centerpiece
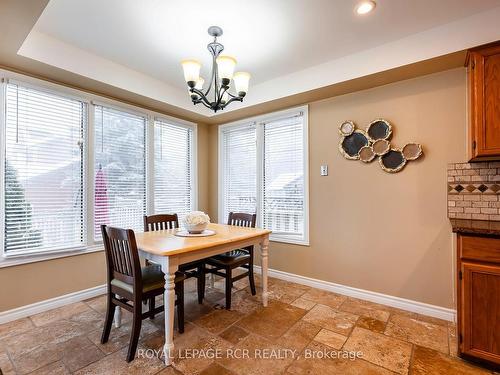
(196, 222)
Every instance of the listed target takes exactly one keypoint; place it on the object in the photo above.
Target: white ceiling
(270, 39)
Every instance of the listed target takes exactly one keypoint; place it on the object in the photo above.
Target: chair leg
(136, 330)
(151, 307)
(251, 279)
(229, 286)
(147, 263)
(201, 283)
(179, 291)
(110, 313)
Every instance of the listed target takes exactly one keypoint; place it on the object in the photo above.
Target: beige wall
(387, 233)
(368, 229)
(28, 283)
(33, 282)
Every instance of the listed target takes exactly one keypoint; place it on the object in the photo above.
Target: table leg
(212, 280)
(264, 248)
(118, 316)
(169, 266)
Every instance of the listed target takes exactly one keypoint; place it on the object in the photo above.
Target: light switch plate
(324, 170)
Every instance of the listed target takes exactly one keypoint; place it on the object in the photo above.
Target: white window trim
(8, 260)
(259, 121)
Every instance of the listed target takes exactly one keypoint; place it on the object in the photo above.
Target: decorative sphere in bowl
(196, 228)
(196, 222)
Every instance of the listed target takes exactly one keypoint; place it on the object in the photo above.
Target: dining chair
(128, 282)
(191, 269)
(227, 262)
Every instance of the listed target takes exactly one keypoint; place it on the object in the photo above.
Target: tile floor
(300, 322)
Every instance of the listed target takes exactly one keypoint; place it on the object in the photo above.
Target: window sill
(290, 241)
(33, 258)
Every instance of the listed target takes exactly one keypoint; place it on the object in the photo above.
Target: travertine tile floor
(299, 322)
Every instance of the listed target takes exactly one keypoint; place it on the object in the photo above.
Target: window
(239, 159)
(120, 169)
(263, 169)
(283, 177)
(70, 164)
(173, 168)
(43, 171)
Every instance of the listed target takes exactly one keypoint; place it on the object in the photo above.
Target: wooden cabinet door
(480, 318)
(484, 106)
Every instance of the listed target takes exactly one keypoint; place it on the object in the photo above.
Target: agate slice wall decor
(352, 144)
(366, 154)
(393, 161)
(381, 147)
(366, 145)
(379, 129)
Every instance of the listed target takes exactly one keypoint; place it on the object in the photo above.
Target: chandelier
(222, 74)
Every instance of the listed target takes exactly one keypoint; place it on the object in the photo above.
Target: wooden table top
(165, 242)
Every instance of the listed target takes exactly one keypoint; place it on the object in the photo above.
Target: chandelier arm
(211, 78)
(219, 99)
(198, 101)
(223, 91)
(202, 98)
(234, 99)
(216, 84)
(206, 105)
(205, 101)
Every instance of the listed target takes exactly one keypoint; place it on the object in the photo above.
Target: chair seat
(230, 257)
(152, 278)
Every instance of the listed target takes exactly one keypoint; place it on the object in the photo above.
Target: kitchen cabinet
(483, 71)
(478, 287)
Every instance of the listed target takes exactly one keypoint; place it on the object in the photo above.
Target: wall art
(367, 145)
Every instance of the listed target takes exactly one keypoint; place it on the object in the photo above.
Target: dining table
(169, 250)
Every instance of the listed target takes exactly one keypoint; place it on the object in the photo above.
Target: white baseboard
(384, 299)
(49, 304)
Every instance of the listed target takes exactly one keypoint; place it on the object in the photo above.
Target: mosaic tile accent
(474, 191)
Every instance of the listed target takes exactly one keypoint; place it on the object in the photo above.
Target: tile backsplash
(474, 191)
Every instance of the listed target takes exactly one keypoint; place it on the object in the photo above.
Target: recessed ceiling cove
(290, 46)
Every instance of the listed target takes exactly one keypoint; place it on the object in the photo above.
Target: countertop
(475, 226)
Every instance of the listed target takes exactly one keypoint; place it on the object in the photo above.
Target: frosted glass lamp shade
(225, 65)
(199, 84)
(191, 71)
(225, 97)
(241, 80)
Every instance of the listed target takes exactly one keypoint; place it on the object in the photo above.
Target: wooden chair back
(122, 256)
(242, 220)
(160, 222)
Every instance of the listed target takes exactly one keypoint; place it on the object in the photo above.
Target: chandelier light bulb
(226, 65)
(241, 80)
(199, 83)
(191, 71)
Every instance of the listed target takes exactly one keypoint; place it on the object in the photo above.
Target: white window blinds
(283, 177)
(173, 168)
(239, 169)
(44, 171)
(263, 170)
(120, 169)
